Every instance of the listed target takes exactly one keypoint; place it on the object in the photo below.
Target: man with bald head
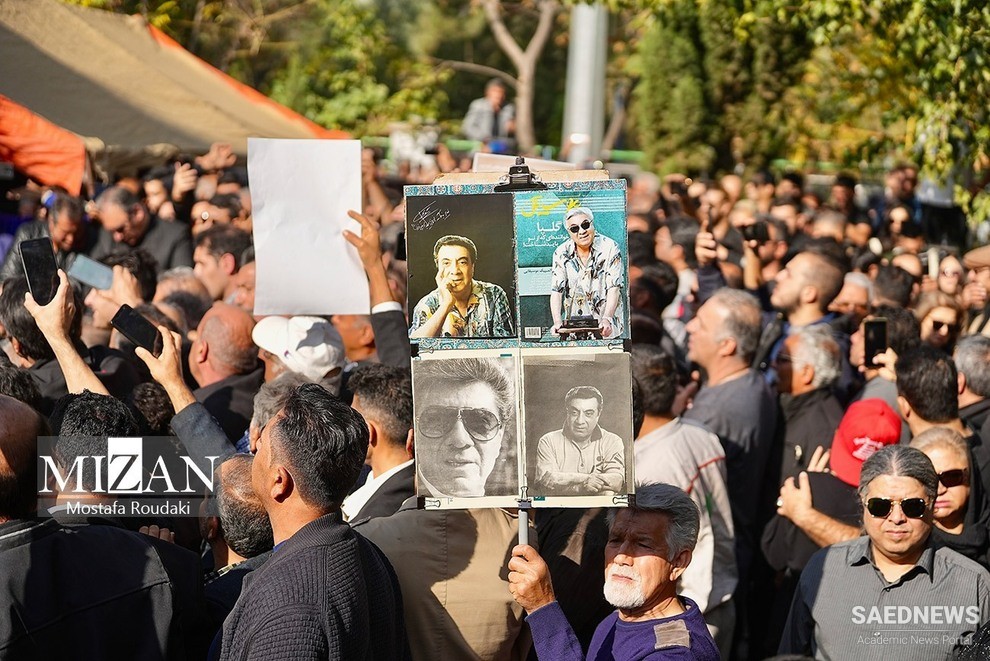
(224, 361)
(131, 596)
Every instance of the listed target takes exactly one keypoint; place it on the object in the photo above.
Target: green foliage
(712, 83)
(925, 71)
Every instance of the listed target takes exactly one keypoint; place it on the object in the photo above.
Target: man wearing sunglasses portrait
(894, 591)
(587, 276)
(463, 408)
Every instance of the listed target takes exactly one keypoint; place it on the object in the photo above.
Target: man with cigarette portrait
(461, 306)
(463, 409)
(582, 458)
(586, 277)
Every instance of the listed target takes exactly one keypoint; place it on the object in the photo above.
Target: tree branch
(548, 9)
(505, 40)
(481, 69)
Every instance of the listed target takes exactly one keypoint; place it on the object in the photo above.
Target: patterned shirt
(602, 272)
(488, 313)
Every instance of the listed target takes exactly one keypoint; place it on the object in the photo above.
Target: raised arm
(53, 321)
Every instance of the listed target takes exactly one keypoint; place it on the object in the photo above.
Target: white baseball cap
(310, 346)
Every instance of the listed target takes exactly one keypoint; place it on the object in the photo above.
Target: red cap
(867, 426)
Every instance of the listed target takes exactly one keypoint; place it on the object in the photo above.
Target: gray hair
(972, 358)
(683, 518)
(816, 347)
(942, 437)
(272, 395)
(742, 320)
(860, 280)
(463, 371)
(899, 461)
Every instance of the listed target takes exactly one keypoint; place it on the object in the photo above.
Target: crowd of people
(794, 481)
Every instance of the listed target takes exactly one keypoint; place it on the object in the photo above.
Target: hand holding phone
(54, 318)
(875, 340)
(137, 329)
(40, 269)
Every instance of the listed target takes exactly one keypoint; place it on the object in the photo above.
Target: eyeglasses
(480, 424)
(954, 477)
(783, 358)
(951, 274)
(913, 508)
(573, 229)
(937, 326)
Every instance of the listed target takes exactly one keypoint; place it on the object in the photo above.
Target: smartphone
(38, 258)
(91, 272)
(137, 329)
(875, 339)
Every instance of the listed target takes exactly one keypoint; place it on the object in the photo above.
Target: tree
(713, 81)
(927, 73)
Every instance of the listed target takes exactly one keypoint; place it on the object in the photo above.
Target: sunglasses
(480, 424)
(573, 229)
(937, 326)
(913, 508)
(954, 477)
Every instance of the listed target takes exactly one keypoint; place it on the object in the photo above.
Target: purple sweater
(683, 636)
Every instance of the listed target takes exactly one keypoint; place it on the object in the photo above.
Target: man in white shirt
(688, 456)
(383, 395)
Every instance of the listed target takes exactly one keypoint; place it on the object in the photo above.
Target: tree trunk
(524, 62)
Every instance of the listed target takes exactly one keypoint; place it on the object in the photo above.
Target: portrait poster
(461, 267)
(572, 255)
(577, 426)
(466, 428)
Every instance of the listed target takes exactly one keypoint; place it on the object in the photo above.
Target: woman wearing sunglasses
(941, 319)
(961, 510)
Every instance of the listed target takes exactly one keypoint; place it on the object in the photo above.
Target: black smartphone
(137, 329)
(40, 269)
(875, 339)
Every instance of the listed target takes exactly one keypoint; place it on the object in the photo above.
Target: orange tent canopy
(45, 152)
(131, 93)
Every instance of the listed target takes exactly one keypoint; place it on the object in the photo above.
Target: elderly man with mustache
(649, 546)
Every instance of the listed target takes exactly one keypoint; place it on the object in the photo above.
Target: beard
(624, 594)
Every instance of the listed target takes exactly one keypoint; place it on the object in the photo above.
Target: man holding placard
(461, 306)
(649, 545)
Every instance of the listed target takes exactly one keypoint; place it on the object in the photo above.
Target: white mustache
(631, 574)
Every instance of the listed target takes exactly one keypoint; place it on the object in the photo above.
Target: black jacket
(169, 243)
(810, 420)
(231, 401)
(97, 592)
(388, 498)
(326, 593)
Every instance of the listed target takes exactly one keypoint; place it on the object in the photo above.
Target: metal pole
(584, 100)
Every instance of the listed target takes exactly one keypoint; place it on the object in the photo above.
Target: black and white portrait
(465, 427)
(578, 424)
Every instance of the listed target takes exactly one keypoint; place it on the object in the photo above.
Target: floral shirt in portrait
(602, 272)
(488, 313)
